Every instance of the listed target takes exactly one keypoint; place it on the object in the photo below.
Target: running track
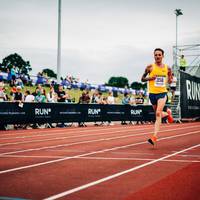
(101, 163)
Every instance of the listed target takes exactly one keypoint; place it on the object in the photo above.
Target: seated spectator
(52, 96)
(132, 100)
(40, 97)
(2, 92)
(61, 94)
(111, 98)
(98, 98)
(18, 95)
(139, 100)
(84, 98)
(28, 97)
(19, 82)
(126, 99)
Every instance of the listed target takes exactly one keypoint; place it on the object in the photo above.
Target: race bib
(160, 81)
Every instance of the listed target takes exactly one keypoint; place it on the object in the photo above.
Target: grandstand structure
(192, 56)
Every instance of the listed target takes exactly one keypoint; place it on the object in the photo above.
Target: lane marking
(82, 187)
(37, 132)
(68, 137)
(80, 131)
(71, 131)
(136, 159)
(90, 153)
(84, 142)
(101, 158)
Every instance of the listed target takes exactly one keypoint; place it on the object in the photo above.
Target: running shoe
(152, 140)
(170, 118)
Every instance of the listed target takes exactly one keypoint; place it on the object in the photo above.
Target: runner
(158, 74)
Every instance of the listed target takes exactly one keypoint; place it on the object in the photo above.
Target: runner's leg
(159, 113)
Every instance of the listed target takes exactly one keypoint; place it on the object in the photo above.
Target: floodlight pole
(59, 43)
(177, 13)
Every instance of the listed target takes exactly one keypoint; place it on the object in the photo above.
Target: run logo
(193, 90)
(136, 112)
(42, 111)
(94, 111)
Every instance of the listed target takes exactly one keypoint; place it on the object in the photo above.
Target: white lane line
(69, 137)
(103, 158)
(91, 153)
(85, 142)
(82, 131)
(41, 132)
(24, 156)
(68, 131)
(82, 187)
(136, 159)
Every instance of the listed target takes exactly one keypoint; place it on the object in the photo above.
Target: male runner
(157, 74)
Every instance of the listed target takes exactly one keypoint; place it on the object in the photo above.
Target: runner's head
(158, 55)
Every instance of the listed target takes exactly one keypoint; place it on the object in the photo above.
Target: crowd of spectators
(49, 92)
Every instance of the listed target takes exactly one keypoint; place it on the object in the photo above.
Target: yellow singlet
(159, 85)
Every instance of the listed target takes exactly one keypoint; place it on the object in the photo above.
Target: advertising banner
(189, 96)
(11, 113)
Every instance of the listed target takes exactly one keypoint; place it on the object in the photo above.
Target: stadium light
(59, 43)
(177, 12)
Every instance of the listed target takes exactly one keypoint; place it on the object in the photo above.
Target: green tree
(138, 85)
(50, 73)
(22, 66)
(118, 82)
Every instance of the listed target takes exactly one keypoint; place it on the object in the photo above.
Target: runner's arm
(146, 72)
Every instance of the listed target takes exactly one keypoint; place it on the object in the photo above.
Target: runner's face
(158, 56)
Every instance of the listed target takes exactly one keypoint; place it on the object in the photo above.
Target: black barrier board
(190, 95)
(11, 113)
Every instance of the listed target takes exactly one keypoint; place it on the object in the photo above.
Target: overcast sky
(100, 38)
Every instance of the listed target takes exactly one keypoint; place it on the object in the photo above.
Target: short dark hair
(159, 49)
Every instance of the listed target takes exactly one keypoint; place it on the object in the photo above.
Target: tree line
(24, 67)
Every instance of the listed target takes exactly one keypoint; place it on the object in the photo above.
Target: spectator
(2, 92)
(18, 96)
(169, 96)
(104, 100)
(61, 94)
(132, 99)
(84, 98)
(13, 75)
(125, 101)
(40, 97)
(28, 97)
(98, 98)
(183, 63)
(139, 99)
(111, 98)
(93, 97)
(40, 78)
(9, 77)
(173, 86)
(19, 82)
(52, 96)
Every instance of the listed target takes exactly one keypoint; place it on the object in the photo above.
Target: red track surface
(101, 163)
